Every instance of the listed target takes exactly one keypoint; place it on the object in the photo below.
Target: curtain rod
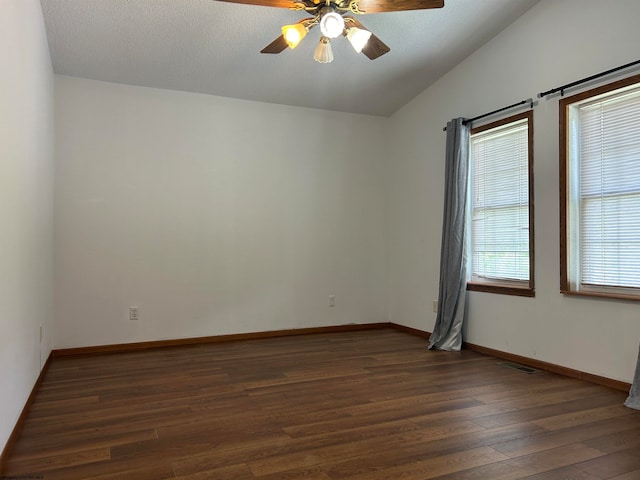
(552, 91)
(586, 79)
(470, 120)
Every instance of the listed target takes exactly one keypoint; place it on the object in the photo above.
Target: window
(501, 192)
(600, 191)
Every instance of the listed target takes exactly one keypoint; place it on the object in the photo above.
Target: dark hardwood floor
(368, 405)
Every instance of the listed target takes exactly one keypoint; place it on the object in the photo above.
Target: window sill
(606, 295)
(501, 288)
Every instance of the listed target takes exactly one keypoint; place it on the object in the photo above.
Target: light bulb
(293, 34)
(332, 25)
(358, 38)
(323, 53)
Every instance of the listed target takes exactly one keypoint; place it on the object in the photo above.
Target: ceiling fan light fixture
(331, 25)
(293, 34)
(358, 38)
(323, 53)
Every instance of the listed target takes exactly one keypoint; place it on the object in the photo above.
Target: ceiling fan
(331, 16)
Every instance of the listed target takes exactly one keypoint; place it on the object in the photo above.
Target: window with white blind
(501, 217)
(600, 191)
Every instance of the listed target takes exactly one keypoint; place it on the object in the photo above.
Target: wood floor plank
(155, 471)
(231, 454)
(43, 463)
(588, 415)
(112, 470)
(277, 450)
(564, 473)
(492, 471)
(551, 386)
(635, 475)
(58, 407)
(542, 413)
(357, 448)
(68, 444)
(381, 416)
(590, 434)
(434, 467)
(422, 450)
(612, 464)
(615, 442)
(233, 472)
(556, 458)
(332, 406)
(311, 473)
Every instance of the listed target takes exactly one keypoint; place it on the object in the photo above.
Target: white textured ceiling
(212, 47)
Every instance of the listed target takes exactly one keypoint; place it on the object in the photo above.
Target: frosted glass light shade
(293, 34)
(323, 53)
(358, 38)
(332, 25)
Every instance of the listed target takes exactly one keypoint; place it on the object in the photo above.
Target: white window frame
(508, 286)
(572, 278)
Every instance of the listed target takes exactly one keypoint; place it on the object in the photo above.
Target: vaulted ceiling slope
(212, 47)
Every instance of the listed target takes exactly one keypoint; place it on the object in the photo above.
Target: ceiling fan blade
(263, 3)
(374, 47)
(380, 6)
(366, 6)
(277, 46)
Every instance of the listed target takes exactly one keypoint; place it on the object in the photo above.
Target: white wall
(542, 50)
(213, 215)
(26, 204)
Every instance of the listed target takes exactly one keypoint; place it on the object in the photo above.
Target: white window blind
(500, 203)
(605, 142)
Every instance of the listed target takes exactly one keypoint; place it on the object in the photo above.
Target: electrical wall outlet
(332, 300)
(435, 306)
(133, 313)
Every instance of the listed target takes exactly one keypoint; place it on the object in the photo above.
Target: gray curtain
(447, 332)
(633, 401)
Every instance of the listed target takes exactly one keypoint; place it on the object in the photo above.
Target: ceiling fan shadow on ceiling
(330, 16)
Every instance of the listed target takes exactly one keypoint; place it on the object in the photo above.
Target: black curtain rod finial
(464, 122)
